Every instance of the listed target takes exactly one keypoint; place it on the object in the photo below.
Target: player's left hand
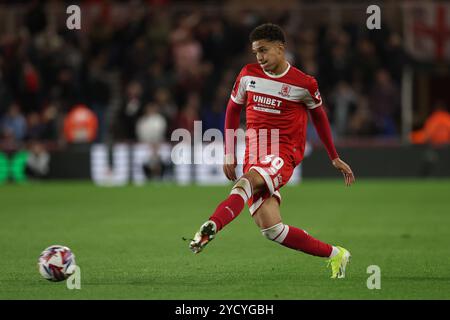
(345, 169)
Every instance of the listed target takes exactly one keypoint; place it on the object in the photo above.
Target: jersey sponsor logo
(252, 84)
(285, 89)
(266, 110)
(266, 101)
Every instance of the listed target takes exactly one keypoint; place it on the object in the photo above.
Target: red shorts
(276, 172)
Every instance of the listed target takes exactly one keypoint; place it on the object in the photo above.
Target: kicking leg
(268, 218)
(249, 184)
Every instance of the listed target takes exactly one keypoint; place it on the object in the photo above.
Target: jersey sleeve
(239, 92)
(322, 125)
(312, 98)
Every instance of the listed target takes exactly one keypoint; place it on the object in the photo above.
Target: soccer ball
(56, 263)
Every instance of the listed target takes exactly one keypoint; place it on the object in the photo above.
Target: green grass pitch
(128, 241)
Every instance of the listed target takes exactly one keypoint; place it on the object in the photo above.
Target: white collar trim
(278, 75)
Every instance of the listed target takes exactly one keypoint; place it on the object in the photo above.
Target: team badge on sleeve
(317, 94)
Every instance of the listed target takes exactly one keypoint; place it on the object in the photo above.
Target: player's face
(269, 54)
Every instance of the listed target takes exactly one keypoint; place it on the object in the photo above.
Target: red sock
(300, 240)
(227, 210)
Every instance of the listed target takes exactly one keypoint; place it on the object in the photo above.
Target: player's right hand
(229, 167)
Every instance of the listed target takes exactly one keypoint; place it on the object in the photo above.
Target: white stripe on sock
(334, 252)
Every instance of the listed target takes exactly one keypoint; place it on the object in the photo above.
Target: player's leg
(268, 218)
(249, 184)
(268, 214)
(244, 188)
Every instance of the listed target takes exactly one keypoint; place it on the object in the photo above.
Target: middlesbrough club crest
(285, 89)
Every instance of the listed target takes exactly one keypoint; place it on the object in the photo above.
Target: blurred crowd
(139, 73)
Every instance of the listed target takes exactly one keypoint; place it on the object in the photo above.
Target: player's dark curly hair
(268, 31)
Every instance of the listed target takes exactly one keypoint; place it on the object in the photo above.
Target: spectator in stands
(157, 77)
(50, 121)
(367, 62)
(436, 130)
(38, 161)
(344, 100)
(13, 125)
(35, 126)
(361, 123)
(5, 95)
(395, 56)
(385, 103)
(435, 134)
(335, 59)
(80, 125)
(167, 106)
(187, 51)
(67, 88)
(307, 51)
(189, 113)
(30, 88)
(131, 110)
(99, 91)
(214, 116)
(151, 129)
(151, 126)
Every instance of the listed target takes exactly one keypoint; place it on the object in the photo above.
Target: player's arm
(320, 120)
(232, 119)
(322, 125)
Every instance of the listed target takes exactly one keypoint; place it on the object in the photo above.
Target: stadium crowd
(152, 69)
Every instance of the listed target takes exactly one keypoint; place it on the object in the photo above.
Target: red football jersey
(276, 102)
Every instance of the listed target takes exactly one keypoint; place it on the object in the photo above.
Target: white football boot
(203, 236)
